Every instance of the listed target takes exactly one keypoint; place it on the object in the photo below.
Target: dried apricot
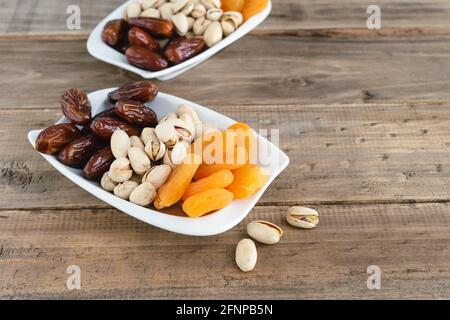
(179, 180)
(247, 180)
(233, 5)
(220, 179)
(207, 201)
(253, 7)
(215, 145)
(244, 137)
(239, 158)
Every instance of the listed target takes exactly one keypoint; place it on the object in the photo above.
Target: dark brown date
(104, 127)
(98, 164)
(77, 152)
(156, 27)
(56, 137)
(107, 113)
(136, 113)
(146, 59)
(76, 106)
(138, 37)
(142, 91)
(182, 49)
(114, 32)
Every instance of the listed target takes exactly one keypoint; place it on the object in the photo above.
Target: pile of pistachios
(191, 18)
(266, 232)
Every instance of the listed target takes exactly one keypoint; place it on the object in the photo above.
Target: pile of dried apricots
(204, 187)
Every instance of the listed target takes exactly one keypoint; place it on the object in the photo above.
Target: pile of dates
(84, 141)
(157, 34)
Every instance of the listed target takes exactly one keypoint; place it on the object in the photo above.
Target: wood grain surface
(298, 70)
(363, 116)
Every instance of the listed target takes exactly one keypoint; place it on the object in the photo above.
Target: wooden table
(364, 117)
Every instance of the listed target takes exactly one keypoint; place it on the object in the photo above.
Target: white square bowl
(214, 223)
(98, 49)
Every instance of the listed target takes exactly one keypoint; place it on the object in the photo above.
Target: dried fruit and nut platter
(163, 38)
(159, 158)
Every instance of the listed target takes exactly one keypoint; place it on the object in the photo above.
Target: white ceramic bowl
(217, 222)
(98, 49)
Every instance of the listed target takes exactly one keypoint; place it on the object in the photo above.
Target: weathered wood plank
(297, 70)
(49, 17)
(356, 153)
(121, 257)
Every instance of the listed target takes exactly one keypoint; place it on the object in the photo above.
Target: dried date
(76, 106)
(98, 164)
(56, 137)
(142, 91)
(182, 49)
(114, 32)
(136, 113)
(146, 59)
(138, 37)
(156, 27)
(104, 127)
(77, 152)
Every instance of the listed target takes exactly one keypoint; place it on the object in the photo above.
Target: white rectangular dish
(98, 49)
(214, 223)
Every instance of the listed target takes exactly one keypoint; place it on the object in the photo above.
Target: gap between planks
(300, 33)
(261, 204)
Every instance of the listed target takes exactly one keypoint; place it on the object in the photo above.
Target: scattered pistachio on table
(246, 255)
(269, 233)
(264, 231)
(302, 217)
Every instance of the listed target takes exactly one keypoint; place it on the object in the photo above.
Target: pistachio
(166, 133)
(185, 109)
(120, 170)
(136, 142)
(214, 14)
(175, 156)
(186, 117)
(246, 255)
(184, 129)
(178, 5)
(120, 143)
(151, 13)
(107, 183)
(187, 9)
(181, 23)
(136, 178)
(234, 17)
(264, 231)
(148, 134)
(198, 11)
(227, 27)
(211, 4)
(138, 160)
(143, 194)
(146, 4)
(159, 3)
(168, 116)
(155, 149)
(200, 26)
(124, 189)
(166, 10)
(134, 10)
(190, 25)
(157, 175)
(213, 33)
(302, 217)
